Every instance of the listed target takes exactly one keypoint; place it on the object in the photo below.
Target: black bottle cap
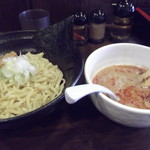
(98, 16)
(124, 9)
(80, 18)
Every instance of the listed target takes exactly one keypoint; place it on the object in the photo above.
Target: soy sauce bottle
(80, 28)
(122, 20)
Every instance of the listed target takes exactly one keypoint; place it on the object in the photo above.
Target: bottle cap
(80, 18)
(124, 9)
(98, 16)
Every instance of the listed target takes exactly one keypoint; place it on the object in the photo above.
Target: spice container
(97, 27)
(122, 21)
(80, 28)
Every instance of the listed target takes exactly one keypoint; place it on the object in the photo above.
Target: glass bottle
(80, 28)
(122, 20)
(97, 27)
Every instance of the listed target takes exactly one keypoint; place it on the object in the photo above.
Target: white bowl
(120, 53)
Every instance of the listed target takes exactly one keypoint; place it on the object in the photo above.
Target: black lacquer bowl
(22, 41)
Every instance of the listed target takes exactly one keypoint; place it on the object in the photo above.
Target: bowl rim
(107, 99)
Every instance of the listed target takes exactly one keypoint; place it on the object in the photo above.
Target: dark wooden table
(76, 127)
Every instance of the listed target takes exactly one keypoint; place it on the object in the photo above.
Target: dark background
(58, 9)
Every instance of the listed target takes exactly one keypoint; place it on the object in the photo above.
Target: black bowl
(22, 41)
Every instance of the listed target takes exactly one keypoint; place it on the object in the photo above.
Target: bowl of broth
(124, 68)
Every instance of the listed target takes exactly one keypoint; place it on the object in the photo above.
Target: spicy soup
(130, 83)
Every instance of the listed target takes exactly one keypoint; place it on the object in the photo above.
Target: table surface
(78, 126)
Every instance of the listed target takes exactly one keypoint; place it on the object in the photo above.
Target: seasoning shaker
(122, 20)
(80, 28)
(97, 27)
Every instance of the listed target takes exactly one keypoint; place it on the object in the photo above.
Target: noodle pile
(41, 88)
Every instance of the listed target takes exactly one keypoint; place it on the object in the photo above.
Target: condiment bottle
(80, 28)
(122, 20)
(97, 27)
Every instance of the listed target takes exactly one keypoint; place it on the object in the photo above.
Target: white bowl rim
(109, 100)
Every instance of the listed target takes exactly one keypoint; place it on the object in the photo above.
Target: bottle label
(123, 21)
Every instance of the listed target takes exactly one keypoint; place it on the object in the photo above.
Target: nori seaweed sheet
(57, 40)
